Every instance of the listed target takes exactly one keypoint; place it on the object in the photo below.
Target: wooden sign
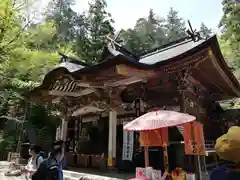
(194, 139)
(125, 70)
(157, 137)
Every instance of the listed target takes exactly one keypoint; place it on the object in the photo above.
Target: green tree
(41, 37)
(64, 18)
(98, 25)
(205, 32)
(10, 30)
(230, 24)
(175, 26)
(22, 64)
(147, 34)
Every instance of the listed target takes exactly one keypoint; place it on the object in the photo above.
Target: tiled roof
(169, 52)
(71, 67)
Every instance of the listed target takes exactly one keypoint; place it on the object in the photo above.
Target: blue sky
(126, 12)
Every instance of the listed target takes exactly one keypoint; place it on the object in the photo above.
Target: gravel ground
(75, 174)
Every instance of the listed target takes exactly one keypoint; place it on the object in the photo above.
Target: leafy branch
(17, 35)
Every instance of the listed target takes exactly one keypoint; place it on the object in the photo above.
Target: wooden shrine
(189, 75)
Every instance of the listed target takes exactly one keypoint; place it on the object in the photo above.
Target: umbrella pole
(146, 157)
(199, 169)
(165, 157)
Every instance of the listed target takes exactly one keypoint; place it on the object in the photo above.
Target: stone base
(112, 169)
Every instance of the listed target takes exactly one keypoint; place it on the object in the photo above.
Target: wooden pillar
(112, 138)
(64, 129)
(64, 125)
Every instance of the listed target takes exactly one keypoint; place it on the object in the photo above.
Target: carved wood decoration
(114, 96)
(97, 77)
(64, 83)
(185, 64)
(193, 102)
(133, 92)
(128, 71)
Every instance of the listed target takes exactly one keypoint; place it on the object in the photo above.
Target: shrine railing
(209, 145)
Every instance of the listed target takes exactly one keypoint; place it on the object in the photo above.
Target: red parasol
(158, 119)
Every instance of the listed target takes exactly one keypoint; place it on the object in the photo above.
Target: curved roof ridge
(165, 48)
(170, 52)
(70, 66)
(65, 58)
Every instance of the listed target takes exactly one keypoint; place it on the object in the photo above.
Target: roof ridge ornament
(193, 34)
(116, 45)
(113, 41)
(69, 59)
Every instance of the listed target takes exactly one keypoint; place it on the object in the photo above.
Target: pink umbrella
(158, 119)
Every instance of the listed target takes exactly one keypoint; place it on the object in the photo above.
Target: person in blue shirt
(227, 171)
(51, 168)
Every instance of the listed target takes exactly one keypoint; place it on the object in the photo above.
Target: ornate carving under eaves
(181, 78)
(114, 94)
(185, 64)
(193, 105)
(133, 92)
(64, 83)
(102, 105)
(188, 83)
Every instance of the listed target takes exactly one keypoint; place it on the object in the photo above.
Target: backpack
(48, 170)
(40, 154)
(53, 172)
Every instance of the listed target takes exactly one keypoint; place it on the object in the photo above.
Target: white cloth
(128, 142)
(33, 165)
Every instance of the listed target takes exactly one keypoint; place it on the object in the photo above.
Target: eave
(123, 71)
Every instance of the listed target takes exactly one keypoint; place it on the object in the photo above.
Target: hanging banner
(194, 139)
(75, 145)
(157, 137)
(58, 133)
(128, 142)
